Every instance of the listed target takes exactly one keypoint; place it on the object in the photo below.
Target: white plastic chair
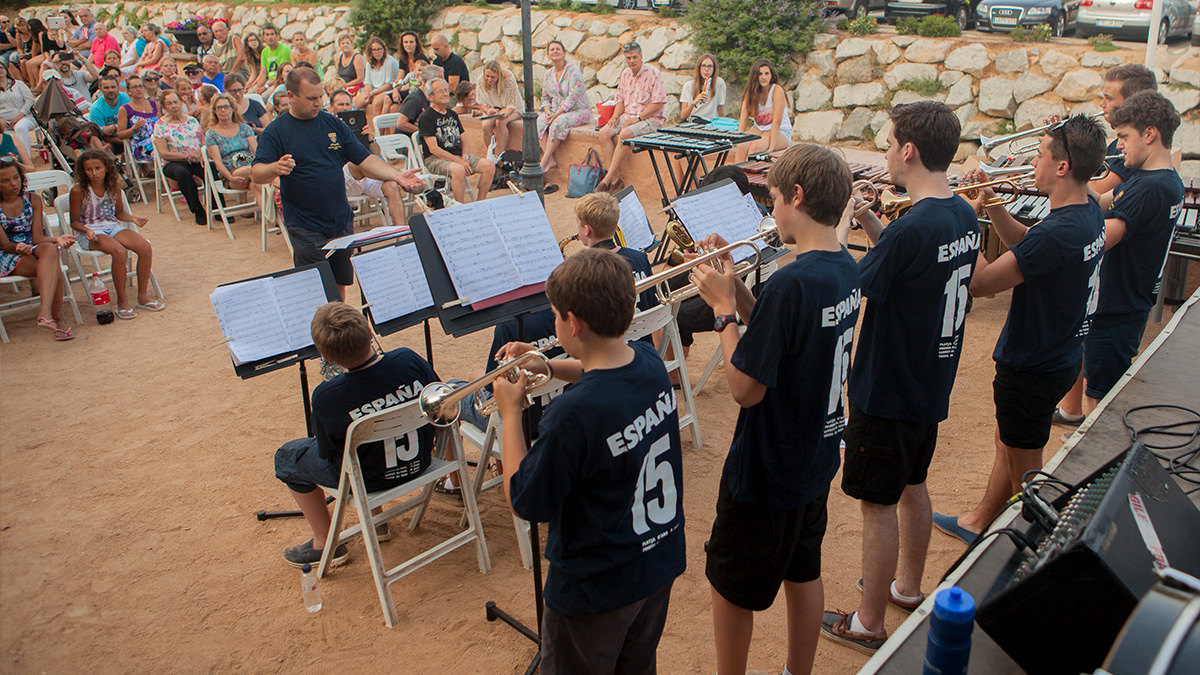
(663, 317)
(386, 121)
(272, 218)
(488, 442)
(162, 188)
(50, 179)
(389, 426)
(62, 206)
(35, 300)
(218, 199)
(433, 178)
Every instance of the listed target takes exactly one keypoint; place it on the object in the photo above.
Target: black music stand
(251, 369)
(658, 242)
(458, 319)
(766, 254)
(399, 323)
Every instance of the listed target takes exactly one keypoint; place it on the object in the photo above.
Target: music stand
(459, 319)
(396, 324)
(297, 357)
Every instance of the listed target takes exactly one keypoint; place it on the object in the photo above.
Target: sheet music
(351, 239)
(634, 223)
(410, 263)
(720, 211)
(386, 277)
(299, 296)
(479, 264)
(247, 313)
(522, 223)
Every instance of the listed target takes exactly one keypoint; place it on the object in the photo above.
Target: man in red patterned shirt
(640, 101)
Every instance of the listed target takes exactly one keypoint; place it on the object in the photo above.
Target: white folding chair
(218, 199)
(387, 122)
(663, 317)
(162, 189)
(62, 206)
(134, 177)
(51, 179)
(718, 356)
(423, 171)
(389, 426)
(19, 304)
(256, 97)
(272, 218)
(488, 442)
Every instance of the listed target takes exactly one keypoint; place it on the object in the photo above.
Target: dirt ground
(133, 461)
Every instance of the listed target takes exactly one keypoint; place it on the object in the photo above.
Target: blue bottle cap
(954, 604)
(306, 568)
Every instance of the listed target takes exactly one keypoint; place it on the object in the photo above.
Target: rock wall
(839, 94)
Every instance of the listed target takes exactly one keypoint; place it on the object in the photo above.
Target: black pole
(532, 174)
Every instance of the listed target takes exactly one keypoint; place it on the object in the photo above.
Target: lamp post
(532, 175)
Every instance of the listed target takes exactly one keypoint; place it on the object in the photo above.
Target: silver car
(1130, 19)
(854, 8)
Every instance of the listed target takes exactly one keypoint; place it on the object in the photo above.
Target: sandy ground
(133, 460)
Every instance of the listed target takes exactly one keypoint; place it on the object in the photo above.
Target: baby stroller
(67, 131)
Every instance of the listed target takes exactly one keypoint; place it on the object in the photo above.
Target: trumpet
(566, 241)
(867, 187)
(768, 233)
(995, 141)
(440, 401)
(892, 205)
(678, 234)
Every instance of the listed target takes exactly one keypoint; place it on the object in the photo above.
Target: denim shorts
(301, 467)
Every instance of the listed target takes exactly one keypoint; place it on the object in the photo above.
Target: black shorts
(623, 640)
(754, 549)
(694, 316)
(1025, 403)
(1108, 352)
(885, 456)
(306, 246)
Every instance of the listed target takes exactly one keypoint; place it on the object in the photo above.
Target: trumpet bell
(435, 404)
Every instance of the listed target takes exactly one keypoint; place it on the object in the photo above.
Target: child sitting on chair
(97, 214)
(605, 472)
(372, 382)
(464, 94)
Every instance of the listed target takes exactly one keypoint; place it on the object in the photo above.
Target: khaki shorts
(644, 127)
(441, 167)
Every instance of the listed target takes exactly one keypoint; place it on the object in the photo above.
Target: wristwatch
(724, 320)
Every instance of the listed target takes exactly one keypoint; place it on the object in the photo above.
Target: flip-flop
(152, 306)
(48, 324)
(949, 525)
(63, 334)
(550, 188)
(126, 314)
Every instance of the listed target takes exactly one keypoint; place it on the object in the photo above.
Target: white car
(1130, 19)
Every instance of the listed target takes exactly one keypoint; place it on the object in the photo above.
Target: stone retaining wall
(839, 92)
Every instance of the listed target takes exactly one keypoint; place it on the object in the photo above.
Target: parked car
(854, 8)
(1130, 19)
(1005, 15)
(1196, 28)
(959, 9)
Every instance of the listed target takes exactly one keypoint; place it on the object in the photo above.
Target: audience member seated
(452, 64)
(382, 70)
(47, 44)
(83, 31)
(564, 102)
(104, 43)
(169, 70)
(704, 94)
(231, 144)
(205, 37)
(211, 72)
(97, 211)
(500, 95)
(151, 48)
(64, 68)
(343, 336)
(252, 112)
(177, 137)
(11, 147)
(273, 56)
(764, 112)
(228, 50)
(203, 109)
(466, 104)
(23, 36)
(252, 47)
(280, 82)
(349, 64)
(416, 102)
(445, 147)
(302, 53)
(105, 108)
(26, 250)
(136, 119)
(280, 103)
(129, 54)
(412, 60)
(8, 40)
(359, 183)
(639, 110)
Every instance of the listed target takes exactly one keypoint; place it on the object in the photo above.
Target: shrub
(863, 25)
(907, 25)
(668, 12)
(739, 32)
(925, 86)
(938, 26)
(1005, 127)
(1038, 33)
(1018, 34)
(843, 24)
(1102, 43)
(389, 18)
(602, 7)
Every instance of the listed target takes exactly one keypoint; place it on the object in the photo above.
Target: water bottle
(948, 647)
(100, 300)
(308, 588)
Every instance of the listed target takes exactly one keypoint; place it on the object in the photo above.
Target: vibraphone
(691, 141)
(756, 173)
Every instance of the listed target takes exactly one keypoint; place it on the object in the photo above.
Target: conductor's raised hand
(285, 165)
(509, 395)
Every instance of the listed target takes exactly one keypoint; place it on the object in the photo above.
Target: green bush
(863, 25)
(602, 7)
(925, 86)
(938, 26)
(389, 18)
(739, 32)
(668, 12)
(907, 25)
(1102, 43)
(843, 24)
(1038, 33)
